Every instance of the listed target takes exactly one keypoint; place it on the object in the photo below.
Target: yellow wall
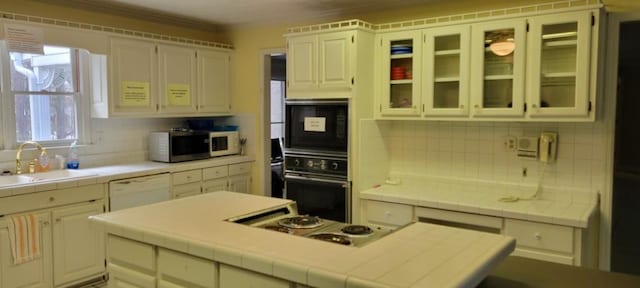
(38, 8)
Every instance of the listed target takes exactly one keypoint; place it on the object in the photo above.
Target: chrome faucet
(32, 163)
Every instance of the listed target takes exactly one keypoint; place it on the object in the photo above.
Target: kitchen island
(188, 242)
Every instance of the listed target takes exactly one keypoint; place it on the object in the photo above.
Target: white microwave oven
(223, 143)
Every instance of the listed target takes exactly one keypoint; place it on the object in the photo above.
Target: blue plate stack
(401, 49)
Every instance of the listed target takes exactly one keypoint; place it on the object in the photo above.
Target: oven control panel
(316, 165)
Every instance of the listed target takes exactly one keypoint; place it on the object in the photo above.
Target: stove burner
(359, 230)
(278, 228)
(301, 222)
(332, 237)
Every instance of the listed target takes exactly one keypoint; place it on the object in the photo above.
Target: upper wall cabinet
(497, 68)
(559, 65)
(537, 68)
(400, 73)
(148, 79)
(445, 70)
(320, 66)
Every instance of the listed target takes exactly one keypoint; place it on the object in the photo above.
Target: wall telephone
(543, 148)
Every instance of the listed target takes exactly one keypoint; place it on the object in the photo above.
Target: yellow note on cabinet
(179, 94)
(135, 93)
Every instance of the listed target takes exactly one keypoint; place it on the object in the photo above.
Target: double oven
(315, 158)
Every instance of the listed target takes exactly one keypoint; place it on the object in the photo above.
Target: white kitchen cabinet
(559, 63)
(78, 245)
(232, 277)
(215, 179)
(33, 274)
(177, 269)
(445, 63)
(213, 82)
(498, 77)
(130, 263)
(320, 65)
(177, 71)
(186, 183)
(399, 60)
(72, 248)
(240, 178)
(149, 79)
(386, 214)
(134, 77)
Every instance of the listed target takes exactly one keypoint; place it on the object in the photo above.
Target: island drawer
(388, 213)
(215, 172)
(540, 235)
(131, 254)
(198, 272)
(186, 177)
(241, 168)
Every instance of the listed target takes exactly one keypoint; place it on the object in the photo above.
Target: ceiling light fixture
(502, 48)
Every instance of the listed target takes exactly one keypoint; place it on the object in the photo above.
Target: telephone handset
(548, 146)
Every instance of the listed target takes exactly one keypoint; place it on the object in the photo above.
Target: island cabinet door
(120, 277)
(232, 277)
(176, 269)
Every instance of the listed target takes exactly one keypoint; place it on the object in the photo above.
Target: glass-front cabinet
(445, 71)
(497, 68)
(400, 72)
(559, 64)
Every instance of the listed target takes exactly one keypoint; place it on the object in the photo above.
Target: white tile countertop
(555, 206)
(104, 174)
(417, 255)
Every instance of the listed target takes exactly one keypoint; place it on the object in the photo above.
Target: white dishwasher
(138, 191)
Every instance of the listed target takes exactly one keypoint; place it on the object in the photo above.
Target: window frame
(80, 61)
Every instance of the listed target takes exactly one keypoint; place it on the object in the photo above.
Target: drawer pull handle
(538, 236)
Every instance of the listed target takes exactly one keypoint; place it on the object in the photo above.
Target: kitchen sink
(55, 175)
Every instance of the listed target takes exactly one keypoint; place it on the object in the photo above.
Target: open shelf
(401, 81)
(446, 79)
(447, 52)
(401, 56)
(498, 77)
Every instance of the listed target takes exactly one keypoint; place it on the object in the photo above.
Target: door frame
(265, 87)
(609, 107)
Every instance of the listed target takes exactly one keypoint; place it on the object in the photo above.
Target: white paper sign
(315, 124)
(24, 39)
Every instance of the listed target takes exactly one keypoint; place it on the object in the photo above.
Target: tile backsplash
(476, 150)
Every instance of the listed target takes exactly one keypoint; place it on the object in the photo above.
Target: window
(44, 94)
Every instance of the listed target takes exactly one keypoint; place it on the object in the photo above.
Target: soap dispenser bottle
(73, 161)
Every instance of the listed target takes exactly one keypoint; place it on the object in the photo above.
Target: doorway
(625, 224)
(274, 62)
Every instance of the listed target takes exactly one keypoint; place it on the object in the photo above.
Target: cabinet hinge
(105, 263)
(527, 27)
(156, 49)
(525, 107)
(196, 54)
(352, 80)
(380, 42)
(353, 39)
(593, 20)
(424, 38)
(157, 107)
(380, 108)
(589, 106)
(422, 108)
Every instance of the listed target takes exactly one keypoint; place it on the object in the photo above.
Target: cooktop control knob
(323, 164)
(334, 165)
(310, 163)
(296, 162)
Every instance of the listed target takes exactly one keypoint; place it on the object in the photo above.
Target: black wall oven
(319, 126)
(319, 185)
(315, 158)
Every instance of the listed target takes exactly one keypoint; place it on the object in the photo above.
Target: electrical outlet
(510, 143)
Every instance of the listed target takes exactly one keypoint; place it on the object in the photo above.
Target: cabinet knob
(51, 199)
(58, 220)
(476, 106)
(387, 214)
(461, 106)
(534, 106)
(537, 235)
(45, 223)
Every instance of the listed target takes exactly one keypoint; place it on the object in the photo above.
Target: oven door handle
(294, 177)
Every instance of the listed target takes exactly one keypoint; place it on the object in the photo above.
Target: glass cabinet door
(559, 64)
(400, 66)
(497, 68)
(446, 74)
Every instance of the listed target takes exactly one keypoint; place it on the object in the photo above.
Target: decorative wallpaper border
(108, 29)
